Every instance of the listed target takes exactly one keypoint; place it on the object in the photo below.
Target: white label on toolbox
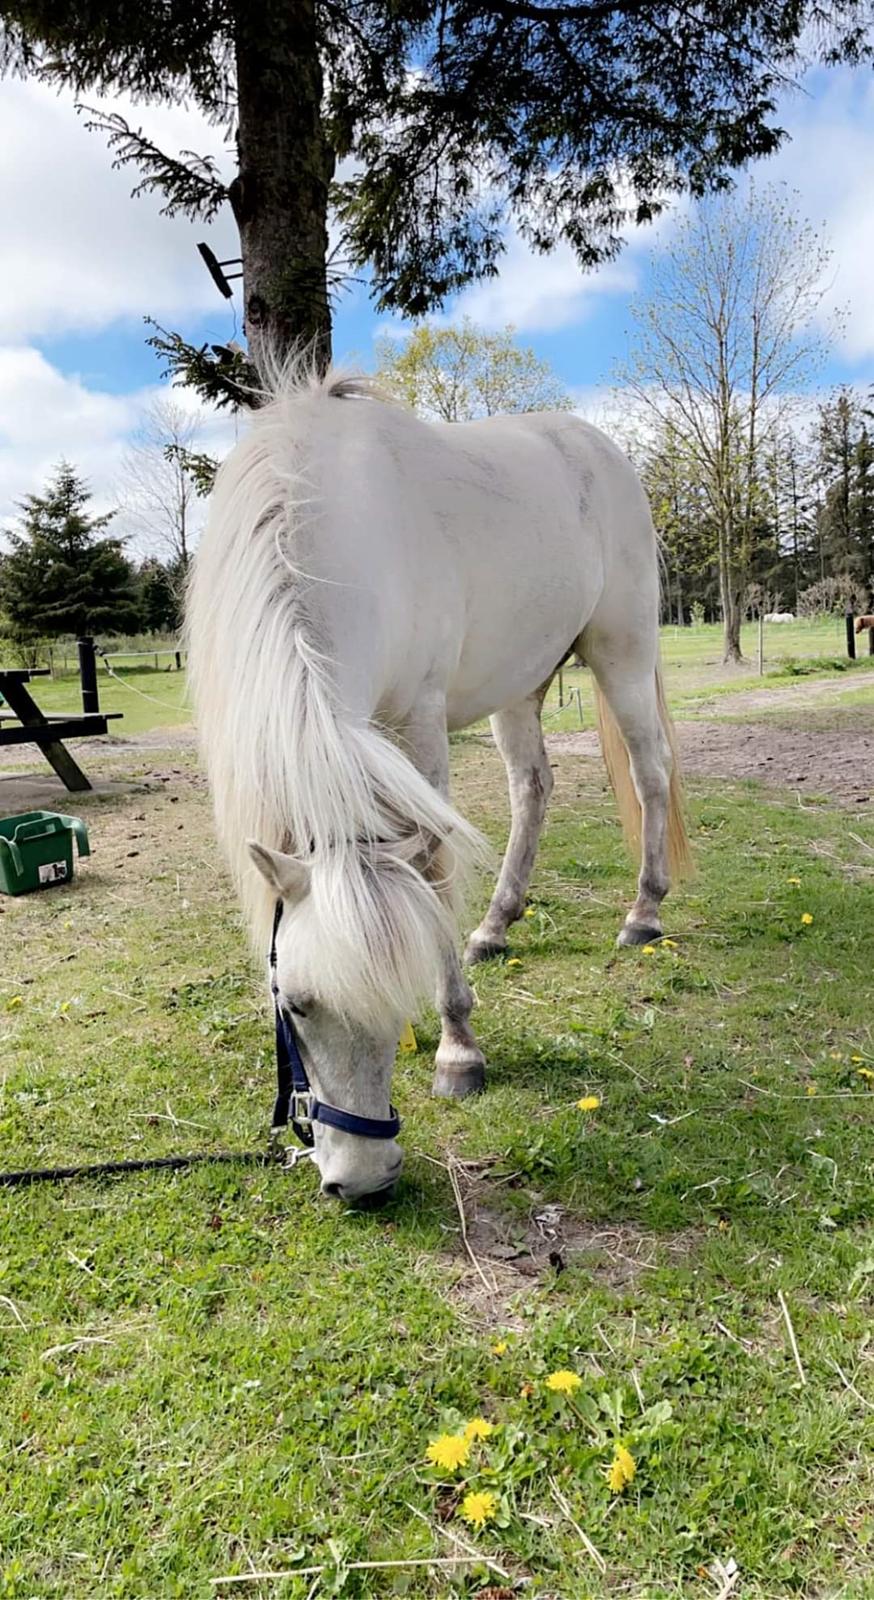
(53, 872)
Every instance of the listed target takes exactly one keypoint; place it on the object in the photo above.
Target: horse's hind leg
(626, 675)
(519, 737)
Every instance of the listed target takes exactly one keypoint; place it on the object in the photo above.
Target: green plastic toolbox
(36, 850)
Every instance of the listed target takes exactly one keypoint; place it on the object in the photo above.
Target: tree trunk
(280, 196)
(729, 598)
(731, 639)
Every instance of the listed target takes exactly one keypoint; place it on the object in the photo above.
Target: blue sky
(81, 263)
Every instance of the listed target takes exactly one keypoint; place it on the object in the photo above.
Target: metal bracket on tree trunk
(215, 268)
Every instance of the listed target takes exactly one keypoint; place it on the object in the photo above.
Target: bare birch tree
(157, 493)
(724, 345)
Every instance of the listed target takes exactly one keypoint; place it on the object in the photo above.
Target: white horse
(367, 583)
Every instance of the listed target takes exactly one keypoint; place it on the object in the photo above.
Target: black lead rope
(111, 1169)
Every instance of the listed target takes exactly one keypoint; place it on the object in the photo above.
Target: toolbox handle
(15, 855)
(81, 833)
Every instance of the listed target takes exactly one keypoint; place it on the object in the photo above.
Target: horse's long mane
(289, 765)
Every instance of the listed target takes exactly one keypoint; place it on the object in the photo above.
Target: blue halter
(295, 1101)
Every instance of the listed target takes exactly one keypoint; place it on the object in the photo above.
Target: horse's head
(357, 943)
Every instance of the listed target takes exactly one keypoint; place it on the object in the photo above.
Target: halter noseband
(295, 1101)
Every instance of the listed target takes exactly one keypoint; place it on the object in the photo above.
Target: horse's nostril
(333, 1189)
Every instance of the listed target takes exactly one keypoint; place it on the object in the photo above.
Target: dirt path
(839, 764)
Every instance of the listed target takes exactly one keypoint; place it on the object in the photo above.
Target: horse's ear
(289, 877)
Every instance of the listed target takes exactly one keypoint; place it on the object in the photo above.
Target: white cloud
(46, 414)
(76, 252)
(829, 161)
(538, 293)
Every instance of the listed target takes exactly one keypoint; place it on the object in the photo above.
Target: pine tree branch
(190, 182)
(225, 377)
(200, 467)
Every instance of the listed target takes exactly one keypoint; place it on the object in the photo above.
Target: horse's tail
(616, 760)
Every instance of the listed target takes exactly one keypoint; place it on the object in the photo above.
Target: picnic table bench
(29, 725)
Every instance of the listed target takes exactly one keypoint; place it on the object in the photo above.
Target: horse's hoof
(633, 933)
(456, 1083)
(481, 950)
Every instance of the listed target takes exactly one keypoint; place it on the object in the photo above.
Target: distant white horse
(367, 583)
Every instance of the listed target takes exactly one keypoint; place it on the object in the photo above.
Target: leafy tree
(722, 344)
(61, 578)
(161, 591)
(443, 123)
(845, 463)
(457, 374)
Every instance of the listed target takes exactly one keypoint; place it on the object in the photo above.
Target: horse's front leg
(460, 1063)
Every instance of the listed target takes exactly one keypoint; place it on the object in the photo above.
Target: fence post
(88, 675)
(761, 643)
(851, 637)
(178, 656)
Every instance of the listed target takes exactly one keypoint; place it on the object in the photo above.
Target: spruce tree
(60, 578)
(570, 119)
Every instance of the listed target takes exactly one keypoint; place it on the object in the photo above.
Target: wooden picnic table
(49, 732)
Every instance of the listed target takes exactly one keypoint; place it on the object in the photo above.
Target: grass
(148, 699)
(212, 1373)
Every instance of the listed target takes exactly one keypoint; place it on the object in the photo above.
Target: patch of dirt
(509, 1256)
(839, 764)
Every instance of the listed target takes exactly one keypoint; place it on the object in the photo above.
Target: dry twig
(791, 1332)
(583, 1537)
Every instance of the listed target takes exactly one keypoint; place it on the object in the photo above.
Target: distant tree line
(65, 575)
(809, 540)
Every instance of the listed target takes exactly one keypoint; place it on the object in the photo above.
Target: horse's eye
(295, 1009)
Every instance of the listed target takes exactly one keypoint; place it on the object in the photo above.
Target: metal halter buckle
(300, 1106)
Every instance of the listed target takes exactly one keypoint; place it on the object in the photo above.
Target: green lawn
(148, 699)
(692, 658)
(217, 1373)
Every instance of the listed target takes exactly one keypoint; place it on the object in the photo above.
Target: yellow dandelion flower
(811, 1089)
(449, 1450)
(796, 882)
(501, 1348)
(478, 1428)
(531, 911)
(622, 1469)
(669, 944)
(563, 1381)
(806, 918)
(14, 1003)
(589, 1102)
(865, 1072)
(514, 962)
(647, 949)
(479, 1508)
(855, 1059)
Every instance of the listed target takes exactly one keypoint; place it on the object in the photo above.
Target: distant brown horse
(864, 622)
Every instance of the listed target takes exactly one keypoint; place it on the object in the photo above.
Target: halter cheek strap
(295, 1101)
